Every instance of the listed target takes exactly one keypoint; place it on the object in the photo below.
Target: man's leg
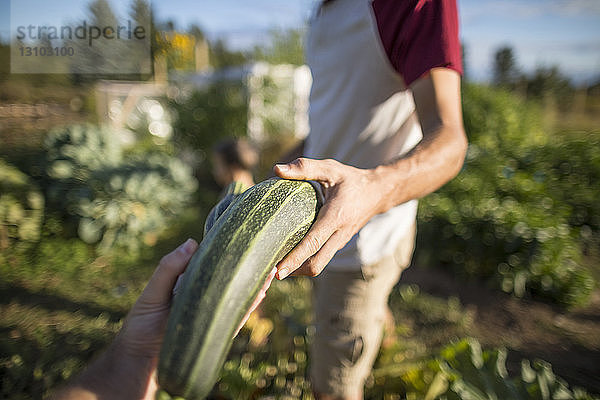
(350, 310)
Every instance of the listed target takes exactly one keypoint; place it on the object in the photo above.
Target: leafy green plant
(21, 206)
(464, 371)
(118, 199)
(204, 116)
(516, 212)
(473, 373)
(270, 355)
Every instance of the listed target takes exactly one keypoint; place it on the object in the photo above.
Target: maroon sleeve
(419, 35)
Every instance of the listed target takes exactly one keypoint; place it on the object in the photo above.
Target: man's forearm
(353, 195)
(434, 161)
(440, 155)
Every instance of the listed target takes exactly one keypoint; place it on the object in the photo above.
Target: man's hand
(352, 197)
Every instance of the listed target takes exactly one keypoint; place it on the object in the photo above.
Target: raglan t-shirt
(363, 56)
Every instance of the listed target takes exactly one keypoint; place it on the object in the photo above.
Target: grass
(61, 305)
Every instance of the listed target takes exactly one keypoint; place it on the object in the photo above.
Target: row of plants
(522, 212)
(271, 357)
(114, 197)
(464, 371)
(21, 206)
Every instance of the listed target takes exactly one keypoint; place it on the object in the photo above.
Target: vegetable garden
(82, 228)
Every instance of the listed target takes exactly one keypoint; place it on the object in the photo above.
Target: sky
(542, 32)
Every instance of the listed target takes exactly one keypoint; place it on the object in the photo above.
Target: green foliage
(273, 102)
(222, 57)
(118, 200)
(464, 371)
(75, 151)
(208, 115)
(518, 210)
(270, 355)
(58, 310)
(111, 59)
(505, 69)
(21, 206)
(285, 47)
(546, 84)
(550, 85)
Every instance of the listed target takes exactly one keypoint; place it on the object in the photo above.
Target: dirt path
(570, 340)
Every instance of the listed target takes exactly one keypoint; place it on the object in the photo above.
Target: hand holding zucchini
(224, 277)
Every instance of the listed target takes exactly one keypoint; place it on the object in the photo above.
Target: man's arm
(353, 195)
(440, 155)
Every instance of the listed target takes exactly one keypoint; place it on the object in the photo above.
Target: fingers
(315, 264)
(267, 284)
(160, 286)
(317, 236)
(259, 298)
(307, 169)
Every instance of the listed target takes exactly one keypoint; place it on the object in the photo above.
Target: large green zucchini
(223, 278)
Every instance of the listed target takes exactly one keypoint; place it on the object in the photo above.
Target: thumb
(303, 169)
(160, 286)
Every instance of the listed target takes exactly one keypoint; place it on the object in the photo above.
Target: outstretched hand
(144, 328)
(352, 197)
(127, 369)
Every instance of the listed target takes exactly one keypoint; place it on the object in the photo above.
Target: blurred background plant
(522, 211)
(462, 370)
(21, 206)
(206, 115)
(119, 200)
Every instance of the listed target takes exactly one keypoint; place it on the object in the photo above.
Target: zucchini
(231, 192)
(223, 278)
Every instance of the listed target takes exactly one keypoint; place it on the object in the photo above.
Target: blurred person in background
(234, 160)
(385, 129)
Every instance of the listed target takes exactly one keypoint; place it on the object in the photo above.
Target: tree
(549, 85)
(196, 32)
(98, 58)
(141, 51)
(284, 47)
(222, 57)
(505, 69)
